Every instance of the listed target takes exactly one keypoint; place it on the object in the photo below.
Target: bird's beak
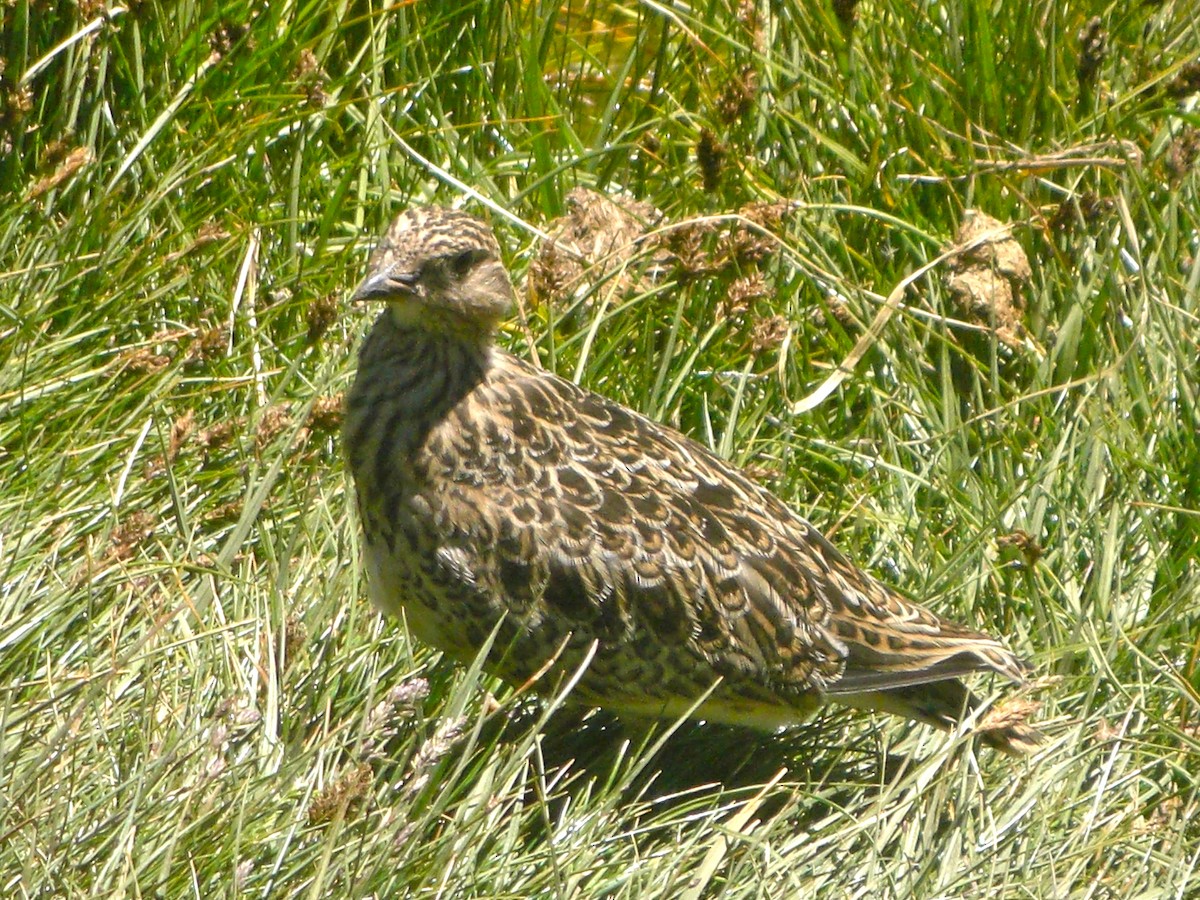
(385, 285)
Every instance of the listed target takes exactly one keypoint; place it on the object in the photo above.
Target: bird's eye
(460, 263)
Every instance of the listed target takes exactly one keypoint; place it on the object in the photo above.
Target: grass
(196, 699)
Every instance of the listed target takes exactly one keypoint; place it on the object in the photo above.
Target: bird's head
(439, 269)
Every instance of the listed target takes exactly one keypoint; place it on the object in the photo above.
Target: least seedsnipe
(495, 496)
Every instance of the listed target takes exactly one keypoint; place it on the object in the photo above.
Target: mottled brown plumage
(498, 497)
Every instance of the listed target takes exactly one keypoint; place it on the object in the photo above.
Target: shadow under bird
(498, 497)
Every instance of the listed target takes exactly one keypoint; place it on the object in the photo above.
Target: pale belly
(398, 587)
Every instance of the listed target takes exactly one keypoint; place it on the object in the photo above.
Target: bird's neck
(412, 377)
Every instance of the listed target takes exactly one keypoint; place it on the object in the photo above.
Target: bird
(500, 502)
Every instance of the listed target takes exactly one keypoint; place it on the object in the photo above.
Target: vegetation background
(195, 698)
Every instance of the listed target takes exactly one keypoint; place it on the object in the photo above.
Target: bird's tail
(903, 659)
